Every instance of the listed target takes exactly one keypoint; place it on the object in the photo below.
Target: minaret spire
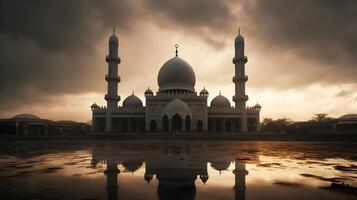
(113, 30)
(238, 30)
(176, 46)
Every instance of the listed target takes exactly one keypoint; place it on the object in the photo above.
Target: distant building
(28, 124)
(176, 106)
(344, 124)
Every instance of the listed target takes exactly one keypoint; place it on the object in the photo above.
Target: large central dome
(176, 74)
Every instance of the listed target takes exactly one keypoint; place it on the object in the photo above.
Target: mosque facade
(176, 107)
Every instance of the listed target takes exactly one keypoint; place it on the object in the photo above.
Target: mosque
(176, 106)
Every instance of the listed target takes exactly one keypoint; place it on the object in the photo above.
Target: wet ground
(178, 170)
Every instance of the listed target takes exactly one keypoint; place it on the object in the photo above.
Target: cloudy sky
(302, 54)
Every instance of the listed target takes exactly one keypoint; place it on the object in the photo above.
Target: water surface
(178, 170)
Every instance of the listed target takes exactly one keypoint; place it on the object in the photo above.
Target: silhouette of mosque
(176, 168)
(176, 107)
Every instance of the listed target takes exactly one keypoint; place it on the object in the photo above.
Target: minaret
(239, 80)
(113, 79)
(112, 172)
(240, 173)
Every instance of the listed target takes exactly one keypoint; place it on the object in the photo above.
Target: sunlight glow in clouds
(292, 73)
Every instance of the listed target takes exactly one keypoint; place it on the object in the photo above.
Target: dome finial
(113, 30)
(220, 93)
(176, 46)
(238, 30)
(133, 92)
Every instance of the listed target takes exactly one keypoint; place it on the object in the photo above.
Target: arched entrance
(199, 126)
(153, 126)
(188, 123)
(165, 123)
(176, 123)
(178, 115)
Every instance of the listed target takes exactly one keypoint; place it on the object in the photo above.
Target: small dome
(132, 166)
(204, 178)
(258, 106)
(177, 106)
(239, 39)
(94, 105)
(220, 165)
(148, 177)
(149, 91)
(348, 117)
(176, 73)
(220, 101)
(26, 117)
(204, 91)
(132, 101)
(113, 38)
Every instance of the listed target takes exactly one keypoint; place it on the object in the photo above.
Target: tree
(282, 125)
(319, 117)
(267, 124)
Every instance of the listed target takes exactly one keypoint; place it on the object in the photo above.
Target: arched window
(165, 123)
(199, 126)
(176, 123)
(188, 123)
(153, 126)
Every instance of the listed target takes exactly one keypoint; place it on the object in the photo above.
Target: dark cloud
(211, 20)
(323, 31)
(323, 27)
(199, 13)
(63, 25)
(49, 48)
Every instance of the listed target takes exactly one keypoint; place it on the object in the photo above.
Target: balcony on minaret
(240, 79)
(240, 172)
(115, 59)
(109, 97)
(237, 60)
(111, 77)
(237, 98)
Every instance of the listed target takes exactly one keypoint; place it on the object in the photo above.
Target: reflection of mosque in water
(176, 169)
